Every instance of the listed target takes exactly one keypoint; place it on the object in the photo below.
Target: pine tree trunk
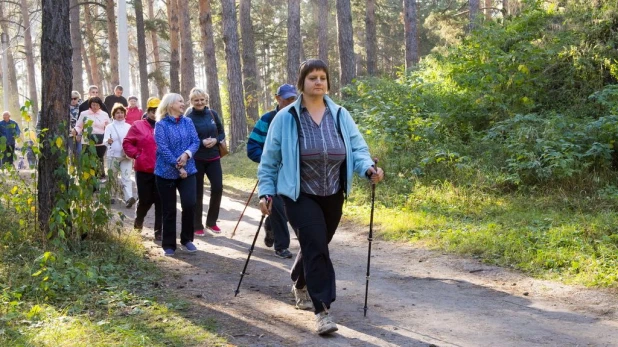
(94, 65)
(474, 12)
(159, 79)
(172, 16)
(29, 52)
(249, 66)
(345, 42)
(370, 34)
(13, 91)
(294, 41)
(76, 42)
(88, 70)
(238, 126)
(56, 71)
(186, 64)
(112, 36)
(323, 30)
(488, 10)
(141, 52)
(208, 42)
(411, 33)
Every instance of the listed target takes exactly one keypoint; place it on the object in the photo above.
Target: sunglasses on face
(74, 98)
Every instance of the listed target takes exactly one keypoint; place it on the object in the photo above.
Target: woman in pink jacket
(93, 122)
(134, 113)
(140, 145)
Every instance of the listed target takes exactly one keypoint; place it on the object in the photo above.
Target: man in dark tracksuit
(276, 224)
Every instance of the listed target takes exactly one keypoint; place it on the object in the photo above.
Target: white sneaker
(303, 301)
(325, 324)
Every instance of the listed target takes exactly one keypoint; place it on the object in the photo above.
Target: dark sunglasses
(74, 98)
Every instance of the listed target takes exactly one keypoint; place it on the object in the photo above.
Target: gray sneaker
(303, 301)
(325, 324)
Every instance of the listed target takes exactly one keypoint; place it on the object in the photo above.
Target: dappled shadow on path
(416, 297)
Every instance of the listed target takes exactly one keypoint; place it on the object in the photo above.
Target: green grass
(98, 293)
(555, 234)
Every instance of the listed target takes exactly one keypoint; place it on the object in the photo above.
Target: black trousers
(212, 170)
(8, 156)
(315, 220)
(148, 195)
(279, 224)
(167, 191)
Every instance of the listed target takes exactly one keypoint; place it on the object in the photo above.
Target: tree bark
(88, 70)
(323, 30)
(112, 36)
(370, 34)
(238, 126)
(172, 16)
(294, 41)
(94, 65)
(249, 66)
(411, 33)
(187, 61)
(76, 42)
(56, 71)
(141, 52)
(208, 42)
(346, 43)
(474, 12)
(29, 52)
(158, 75)
(488, 6)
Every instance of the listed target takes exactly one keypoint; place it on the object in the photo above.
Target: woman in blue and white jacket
(177, 143)
(312, 149)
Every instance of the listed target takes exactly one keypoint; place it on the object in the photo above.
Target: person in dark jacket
(10, 131)
(276, 224)
(175, 170)
(139, 145)
(207, 159)
(117, 97)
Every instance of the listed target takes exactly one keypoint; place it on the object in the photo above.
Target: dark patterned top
(322, 152)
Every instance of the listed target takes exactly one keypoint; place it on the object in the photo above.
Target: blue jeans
(167, 192)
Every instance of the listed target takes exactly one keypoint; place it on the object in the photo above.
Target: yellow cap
(153, 102)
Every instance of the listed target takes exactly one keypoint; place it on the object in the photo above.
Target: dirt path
(416, 297)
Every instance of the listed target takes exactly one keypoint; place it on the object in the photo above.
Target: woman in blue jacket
(177, 143)
(311, 151)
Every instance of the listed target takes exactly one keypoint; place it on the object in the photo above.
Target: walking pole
(242, 274)
(370, 239)
(243, 211)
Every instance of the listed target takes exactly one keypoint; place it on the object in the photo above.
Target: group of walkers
(308, 149)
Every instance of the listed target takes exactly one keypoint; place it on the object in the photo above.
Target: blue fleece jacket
(279, 169)
(255, 144)
(174, 137)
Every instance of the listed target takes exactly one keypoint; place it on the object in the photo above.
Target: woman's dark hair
(95, 100)
(308, 66)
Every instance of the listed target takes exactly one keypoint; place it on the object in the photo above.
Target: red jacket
(133, 114)
(140, 145)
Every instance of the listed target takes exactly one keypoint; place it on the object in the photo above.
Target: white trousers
(124, 167)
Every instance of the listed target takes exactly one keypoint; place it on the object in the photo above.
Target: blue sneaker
(168, 252)
(190, 247)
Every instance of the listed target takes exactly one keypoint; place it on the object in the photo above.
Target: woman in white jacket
(117, 161)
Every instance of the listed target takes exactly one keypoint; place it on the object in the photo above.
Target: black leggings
(315, 220)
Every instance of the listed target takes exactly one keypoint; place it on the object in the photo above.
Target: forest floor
(417, 297)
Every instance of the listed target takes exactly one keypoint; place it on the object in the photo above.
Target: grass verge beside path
(106, 293)
(553, 235)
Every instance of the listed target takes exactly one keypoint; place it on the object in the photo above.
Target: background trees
(356, 37)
